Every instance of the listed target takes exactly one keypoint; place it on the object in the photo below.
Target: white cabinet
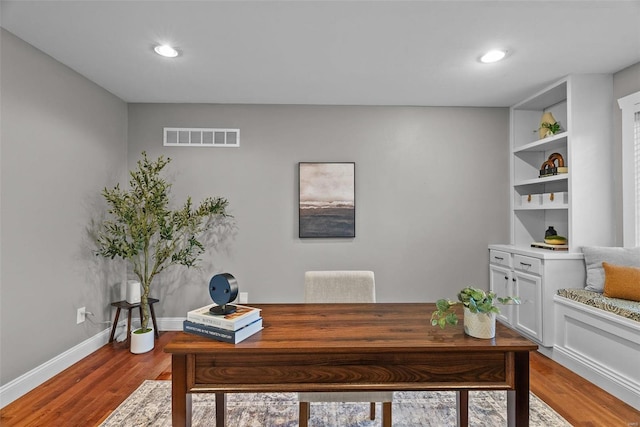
(533, 275)
(500, 281)
(528, 316)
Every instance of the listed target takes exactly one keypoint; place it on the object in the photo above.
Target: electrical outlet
(82, 313)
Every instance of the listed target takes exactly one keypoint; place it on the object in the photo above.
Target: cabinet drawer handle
(506, 277)
(525, 264)
(499, 258)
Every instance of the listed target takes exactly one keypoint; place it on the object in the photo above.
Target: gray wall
(432, 187)
(625, 82)
(63, 139)
(431, 193)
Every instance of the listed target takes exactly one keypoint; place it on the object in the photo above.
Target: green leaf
(443, 305)
(452, 319)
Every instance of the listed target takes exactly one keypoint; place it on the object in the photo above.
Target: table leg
(180, 399)
(304, 413)
(462, 407)
(129, 329)
(386, 414)
(511, 408)
(221, 409)
(115, 325)
(153, 317)
(518, 399)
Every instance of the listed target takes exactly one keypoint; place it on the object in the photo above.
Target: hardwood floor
(580, 402)
(86, 393)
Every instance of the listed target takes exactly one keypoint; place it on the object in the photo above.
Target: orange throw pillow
(621, 282)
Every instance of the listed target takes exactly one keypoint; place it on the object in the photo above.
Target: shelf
(536, 181)
(550, 143)
(527, 250)
(540, 208)
(551, 96)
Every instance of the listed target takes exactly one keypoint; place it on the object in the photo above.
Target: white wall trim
(629, 105)
(171, 323)
(32, 379)
(37, 376)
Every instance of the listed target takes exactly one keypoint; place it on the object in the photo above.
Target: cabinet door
(528, 315)
(500, 284)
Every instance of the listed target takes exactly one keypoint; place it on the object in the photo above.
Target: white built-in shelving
(582, 206)
(581, 209)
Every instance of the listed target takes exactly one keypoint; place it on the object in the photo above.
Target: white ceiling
(330, 52)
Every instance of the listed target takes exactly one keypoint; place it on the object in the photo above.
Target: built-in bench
(621, 307)
(599, 338)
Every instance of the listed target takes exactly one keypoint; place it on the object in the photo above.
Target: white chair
(343, 287)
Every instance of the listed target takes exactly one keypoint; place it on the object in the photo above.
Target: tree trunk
(144, 305)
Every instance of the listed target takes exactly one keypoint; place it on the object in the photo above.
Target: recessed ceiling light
(166, 50)
(493, 56)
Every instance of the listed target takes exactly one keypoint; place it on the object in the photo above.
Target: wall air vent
(201, 137)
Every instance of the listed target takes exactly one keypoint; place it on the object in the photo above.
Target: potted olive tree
(479, 311)
(143, 230)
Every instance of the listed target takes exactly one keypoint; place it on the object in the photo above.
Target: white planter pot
(142, 343)
(479, 325)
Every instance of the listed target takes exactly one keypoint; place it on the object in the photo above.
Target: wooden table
(350, 347)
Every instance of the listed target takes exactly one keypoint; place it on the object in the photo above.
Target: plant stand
(124, 304)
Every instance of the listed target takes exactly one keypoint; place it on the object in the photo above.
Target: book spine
(208, 332)
(211, 321)
(219, 322)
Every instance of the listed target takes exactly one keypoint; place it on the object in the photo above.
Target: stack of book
(232, 328)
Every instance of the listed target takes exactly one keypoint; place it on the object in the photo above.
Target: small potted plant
(143, 230)
(548, 125)
(479, 311)
(551, 128)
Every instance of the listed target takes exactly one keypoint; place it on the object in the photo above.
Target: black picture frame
(327, 199)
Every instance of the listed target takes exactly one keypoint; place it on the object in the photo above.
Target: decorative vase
(547, 117)
(133, 292)
(479, 325)
(142, 342)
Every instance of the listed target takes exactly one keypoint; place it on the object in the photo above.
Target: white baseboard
(164, 323)
(600, 375)
(171, 323)
(32, 379)
(546, 351)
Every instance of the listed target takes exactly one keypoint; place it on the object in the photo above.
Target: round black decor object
(223, 289)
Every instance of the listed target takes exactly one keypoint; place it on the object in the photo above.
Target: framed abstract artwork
(327, 202)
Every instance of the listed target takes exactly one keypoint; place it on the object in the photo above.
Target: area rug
(150, 405)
